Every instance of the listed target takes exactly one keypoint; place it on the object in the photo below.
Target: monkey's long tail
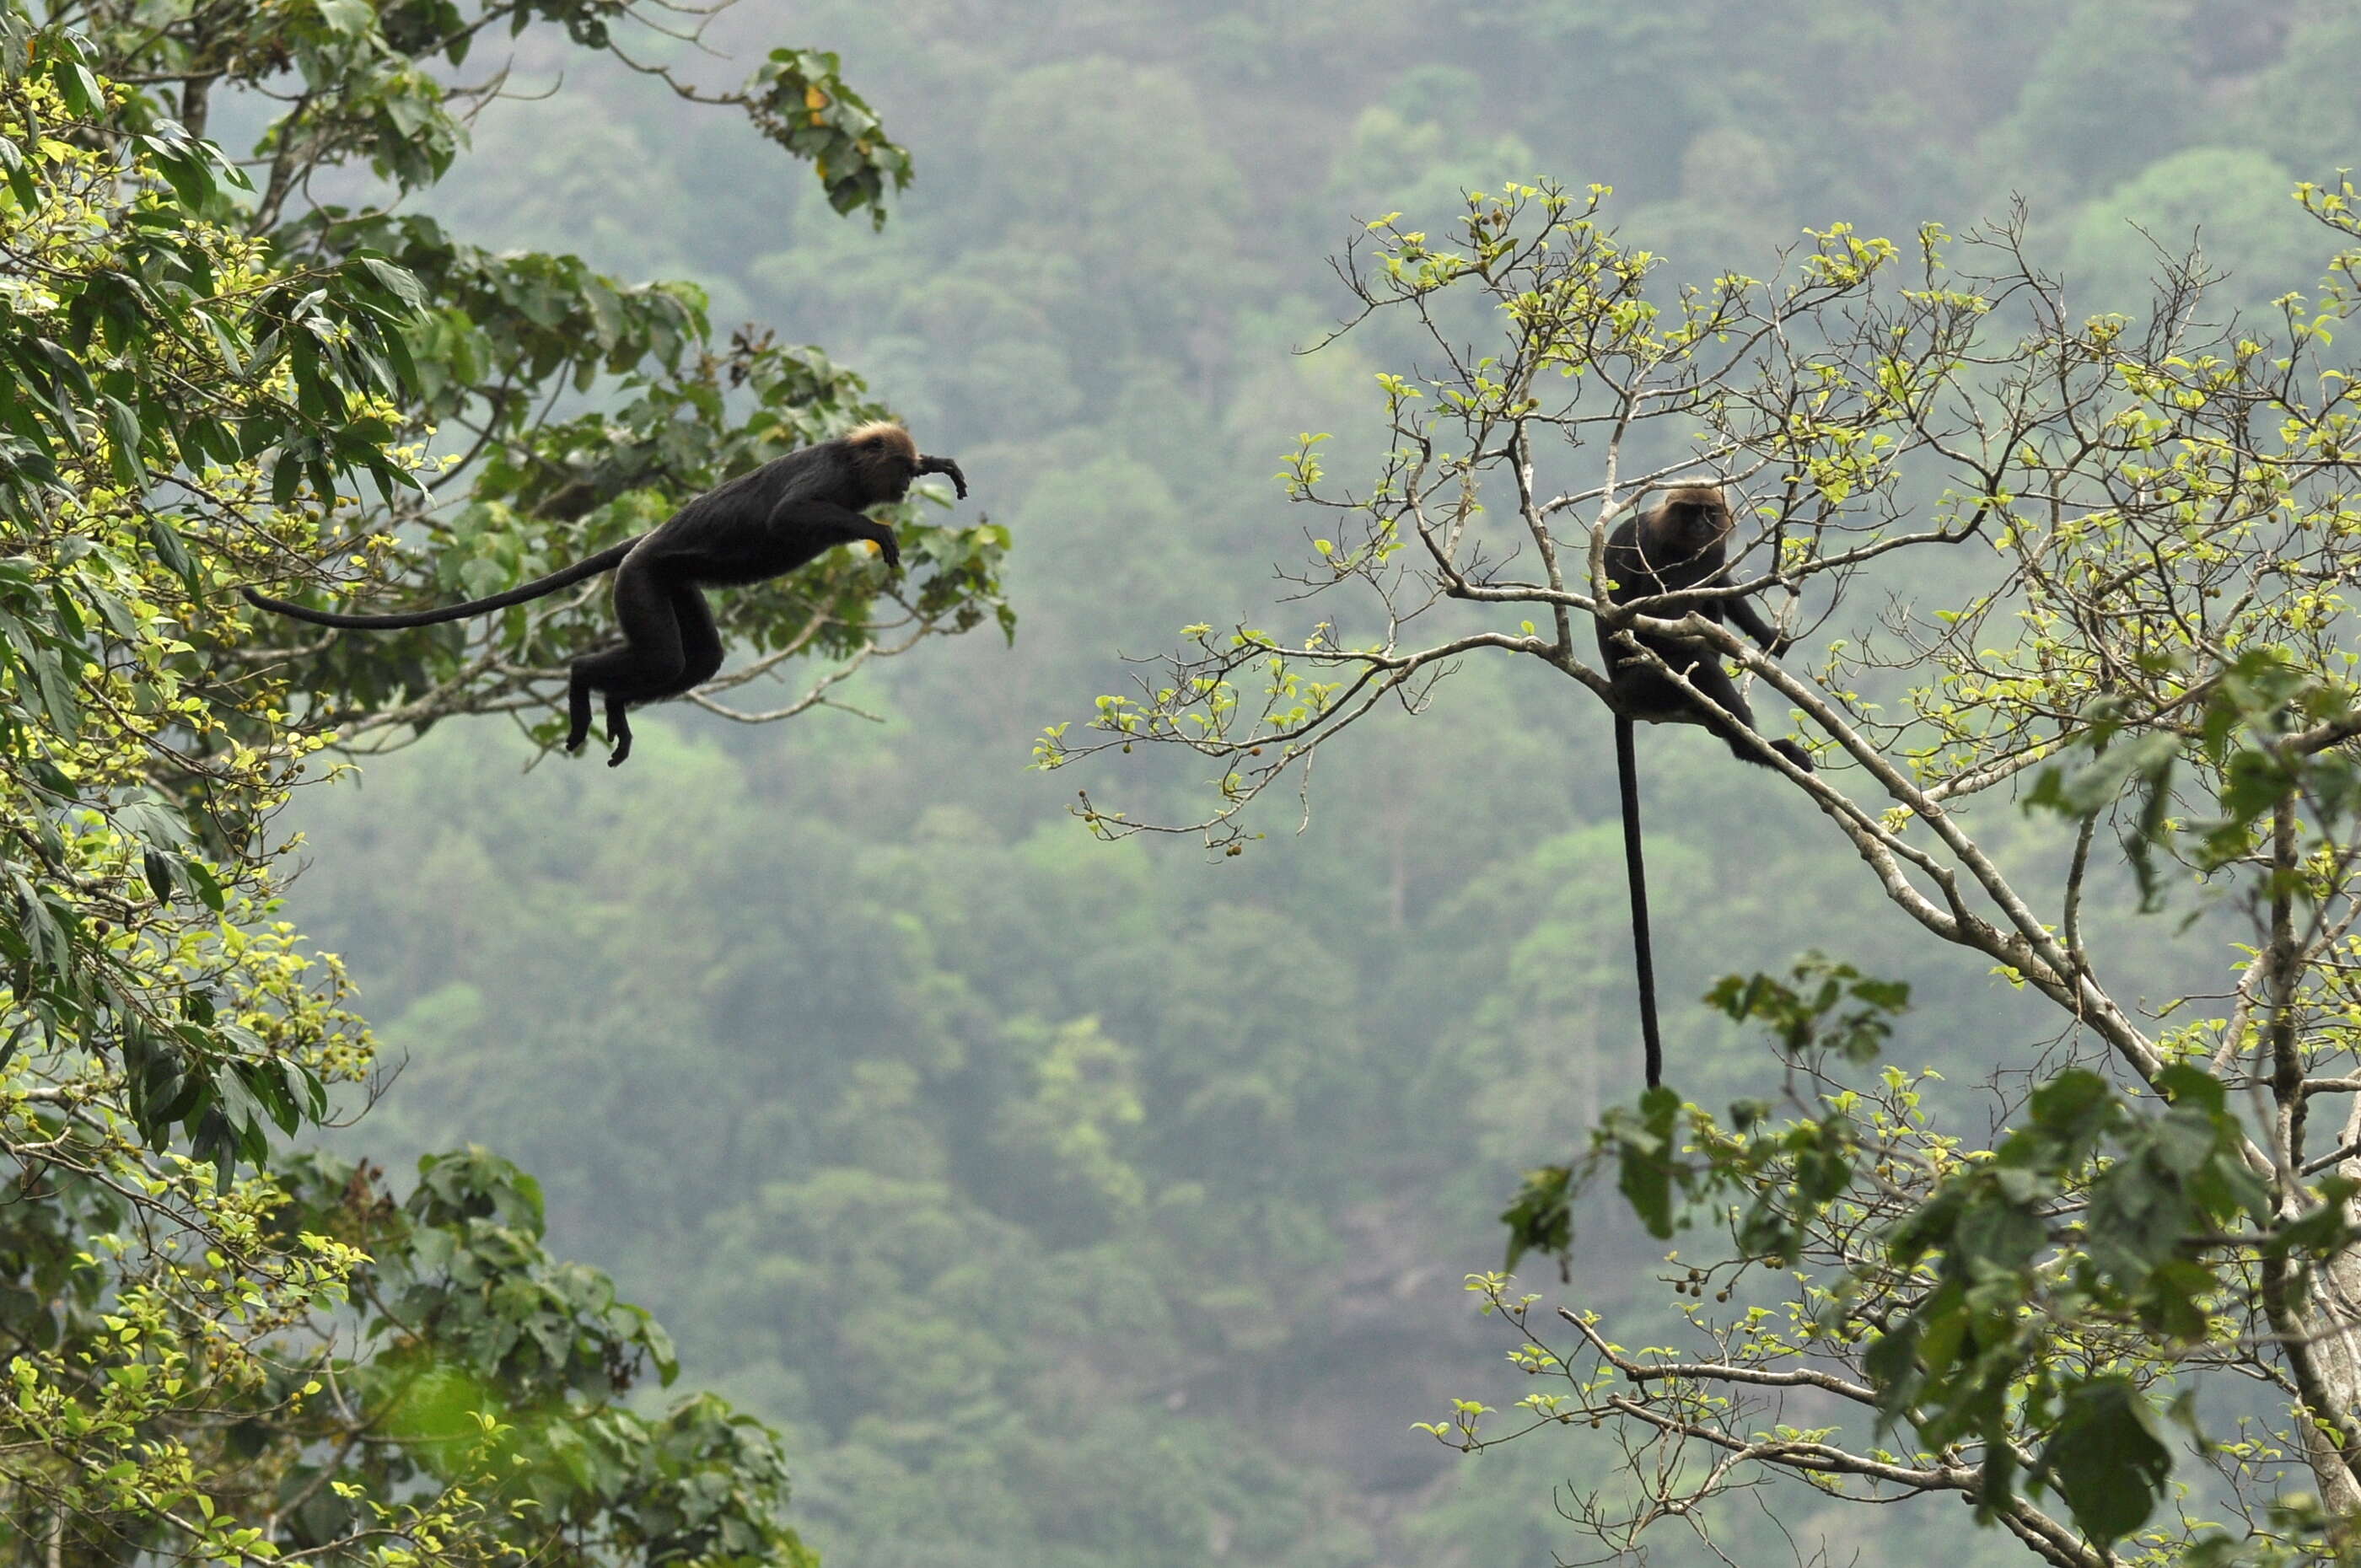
(589, 566)
(1635, 871)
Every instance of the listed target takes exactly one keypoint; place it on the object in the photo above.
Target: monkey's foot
(1794, 753)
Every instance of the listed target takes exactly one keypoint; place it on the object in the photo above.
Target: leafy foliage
(214, 1350)
(2053, 1285)
(468, 1400)
(801, 102)
(586, 409)
(141, 966)
(544, 488)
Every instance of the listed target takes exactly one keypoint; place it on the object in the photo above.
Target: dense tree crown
(218, 1350)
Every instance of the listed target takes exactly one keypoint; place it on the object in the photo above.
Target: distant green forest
(1103, 1206)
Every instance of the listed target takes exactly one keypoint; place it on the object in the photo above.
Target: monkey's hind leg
(1714, 683)
(577, 709)
(700, 648)
(649, 660)
(699, 643)
(619, 729)
(589, 673)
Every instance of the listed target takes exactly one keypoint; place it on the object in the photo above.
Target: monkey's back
(1636, 578)
(724, 539)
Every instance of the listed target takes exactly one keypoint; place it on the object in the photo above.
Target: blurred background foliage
(1080, 1205)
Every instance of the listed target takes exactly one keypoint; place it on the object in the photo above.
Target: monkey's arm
(946, 466)
(589, 566)
(1750, 621)
(825, 523)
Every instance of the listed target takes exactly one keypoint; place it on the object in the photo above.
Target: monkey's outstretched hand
(950, 468)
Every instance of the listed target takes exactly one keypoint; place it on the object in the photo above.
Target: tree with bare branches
(2092, 566)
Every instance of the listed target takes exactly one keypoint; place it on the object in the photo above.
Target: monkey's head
(1689, 524)
(885, 460)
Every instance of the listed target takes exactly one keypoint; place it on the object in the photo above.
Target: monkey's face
(1702, 523)
(888, 477)
(1688, 528)
(883, 462)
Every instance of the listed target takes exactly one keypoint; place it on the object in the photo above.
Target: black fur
(1681, 543)
(1684, 542)
(756, 527)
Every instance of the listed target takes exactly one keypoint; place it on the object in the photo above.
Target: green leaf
(21, 182)
(400, 282)
(158, 868)
(79, 89)
(1648, 1158)
(123, 438)
(346, 18)
(1540, 1219)
(57, 691)
(174, 555)
(190, 175)
(209, 889)
(2107, 1459)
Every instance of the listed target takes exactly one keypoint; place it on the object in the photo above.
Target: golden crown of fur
(879, 437)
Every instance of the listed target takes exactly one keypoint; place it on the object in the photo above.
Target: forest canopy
(223, 1346)
(1075, 1203)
